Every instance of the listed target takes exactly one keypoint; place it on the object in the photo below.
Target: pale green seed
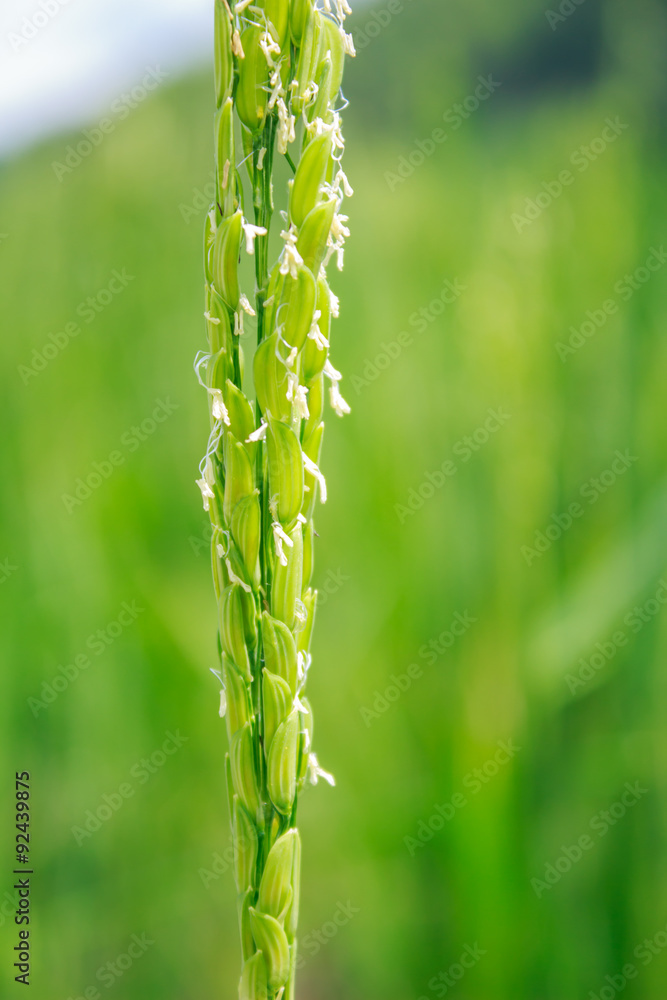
(278, 700)
(226, 251)
(244, 904)
(225, 158)
(241, 417)
(223, 59)
(306, 71)
(279, 650)
(238, 702)
(287, 580)
(285, 470)
(271, 940)
(246, 532)
(282, 764)
(309, 177)
(275, 889)
(314, 234)
(309, 601)
(244, 774)
(246, 845)
(232, 630)
(252, 90)
(299, 12)
(297, 305)
(254, 985)
(239, 478)
(270, 375)
(292, 915)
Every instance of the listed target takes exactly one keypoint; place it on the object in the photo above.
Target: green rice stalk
(278, 71)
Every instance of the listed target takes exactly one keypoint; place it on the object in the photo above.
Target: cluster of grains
(278, 71)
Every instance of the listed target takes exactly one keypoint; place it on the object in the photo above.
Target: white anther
(337, 402)
(245, 305)
(292, 259)
(315, 772)
(237, 47)
(259, 434)
(279, 537)
(235, 579)
(332, 372)
(251, 232)
(218, 408)
(206, 492)
(310, 466)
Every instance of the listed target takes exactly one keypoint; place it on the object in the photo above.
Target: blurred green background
(556, 662)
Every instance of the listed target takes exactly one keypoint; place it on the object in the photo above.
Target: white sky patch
(63, 62)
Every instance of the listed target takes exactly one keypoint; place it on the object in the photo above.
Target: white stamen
(269, 47)
(341, 180)
(250, 233)
(245, 305)
(315, 772)
(237, 48)
(206, 492)
(338, 403)
(218, 409)
(286, 127)
(348, 44)
(260, 158)
(301, 402)
(332, 372)
(211, 319)
(310, 466)
(259, 434)
(292, 259)
(279, 537)
(235, 579)
(299, 705)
